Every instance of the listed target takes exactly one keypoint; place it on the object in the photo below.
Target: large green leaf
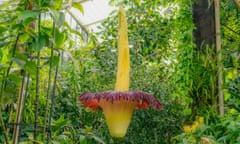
(39, 42)
(28, 14)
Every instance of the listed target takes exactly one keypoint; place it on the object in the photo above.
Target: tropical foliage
(46, 64)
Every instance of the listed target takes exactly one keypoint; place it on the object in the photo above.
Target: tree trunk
(204, 20)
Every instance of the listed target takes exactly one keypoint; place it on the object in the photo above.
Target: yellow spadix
(123, 70)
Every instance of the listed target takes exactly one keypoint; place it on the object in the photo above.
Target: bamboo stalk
(52, 98)
(37, 85)
(49, 83)
(47, 125)
(2, 124)
(219, 58)
(237, 3)
(18, 113)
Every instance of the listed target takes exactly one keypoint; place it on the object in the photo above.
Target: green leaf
(3, 66)
(3, 28)
(2, 44)
(38, 43)
(21, 62)
(31, 67)
(78, 6)
(187, 111)
(5, 37)
(15, 78)
(46, 2)
(72, 31)
(223, 138)
(137, 1)
(28, 14)
(35, 141)
(1, 54)
(83, 140)
(47, 31)
(58, 17)
(56, 4)
(28, 21)
(55, 61)
(60, 123)
(114, 2)
(59, 38)
(7, 98)
(98, 139)
(24, 38)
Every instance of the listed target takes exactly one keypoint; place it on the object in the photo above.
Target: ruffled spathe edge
(142, 99)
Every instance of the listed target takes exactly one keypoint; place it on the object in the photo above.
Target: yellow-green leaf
(78, 6)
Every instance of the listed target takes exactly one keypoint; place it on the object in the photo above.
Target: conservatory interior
(119, 71)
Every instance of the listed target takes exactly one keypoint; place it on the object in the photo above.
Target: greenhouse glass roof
(95, 11)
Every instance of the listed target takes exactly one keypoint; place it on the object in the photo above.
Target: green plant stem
(37, 84)
(2, 124)
(9, 117)
(18, 113)
(13, 53)
(53, 96)
(118, 140)
(219, 59)
(49, 81)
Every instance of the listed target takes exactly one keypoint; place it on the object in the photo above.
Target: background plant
(33, 35)
(228, 122)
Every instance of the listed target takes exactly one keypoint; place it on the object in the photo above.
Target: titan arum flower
(118, 105)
